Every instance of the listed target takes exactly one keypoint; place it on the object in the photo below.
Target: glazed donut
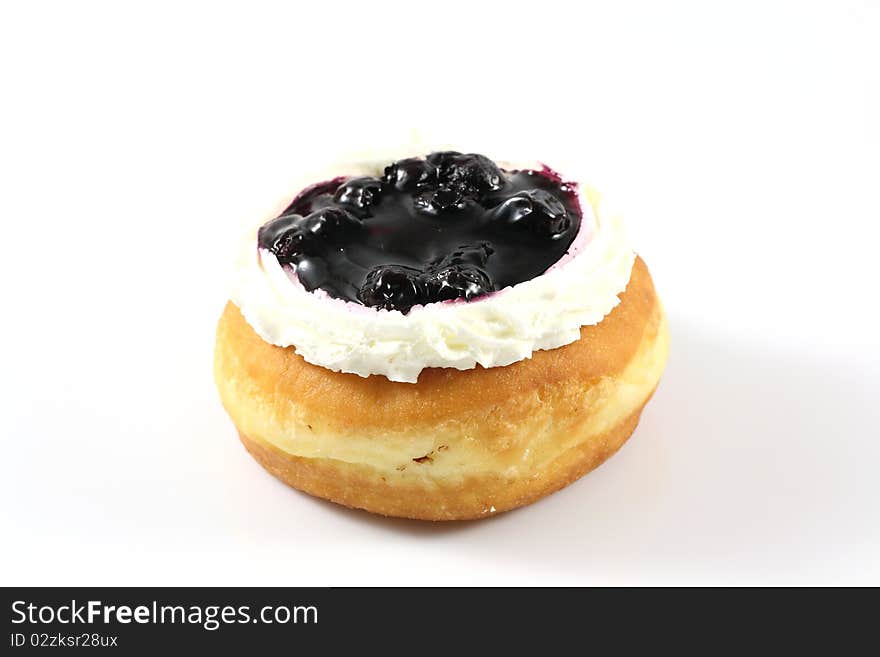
(457, 443)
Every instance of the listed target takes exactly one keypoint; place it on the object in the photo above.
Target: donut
(472, 426)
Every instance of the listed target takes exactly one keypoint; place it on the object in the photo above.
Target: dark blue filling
(450, 226)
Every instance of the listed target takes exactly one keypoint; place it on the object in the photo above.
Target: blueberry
(440, 199)
(457, 282)
(410, 174)
(472, 173)
(282, 237)
(460, 274)
(442, 159)
(393, 287)
(291, 235)
(360, 193)
(330, 224)
(536, 210)
(446, 198)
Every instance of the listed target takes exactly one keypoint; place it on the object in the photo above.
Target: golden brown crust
(457, 444)
(363, 487)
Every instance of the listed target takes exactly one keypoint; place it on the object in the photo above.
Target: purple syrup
(449, 226)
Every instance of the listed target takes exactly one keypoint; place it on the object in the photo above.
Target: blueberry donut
(440, 337)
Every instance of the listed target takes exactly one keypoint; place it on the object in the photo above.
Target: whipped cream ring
(493, 330)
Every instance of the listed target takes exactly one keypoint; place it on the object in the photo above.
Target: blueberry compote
(449, 226)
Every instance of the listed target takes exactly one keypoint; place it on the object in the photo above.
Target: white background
(740, 141)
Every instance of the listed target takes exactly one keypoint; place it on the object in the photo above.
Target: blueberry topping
(392, 287)
(292, 235)
(471, 174)
(456, 276)
(466, 254)
(331, 223)
(458, 282)
(360, 193)
(442, 159)
(461, 273)
(410, 174)
(280, 236)
(439, 200)
(536, 210)
(449, 226)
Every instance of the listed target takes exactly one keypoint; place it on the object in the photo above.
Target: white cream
(493, 331)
